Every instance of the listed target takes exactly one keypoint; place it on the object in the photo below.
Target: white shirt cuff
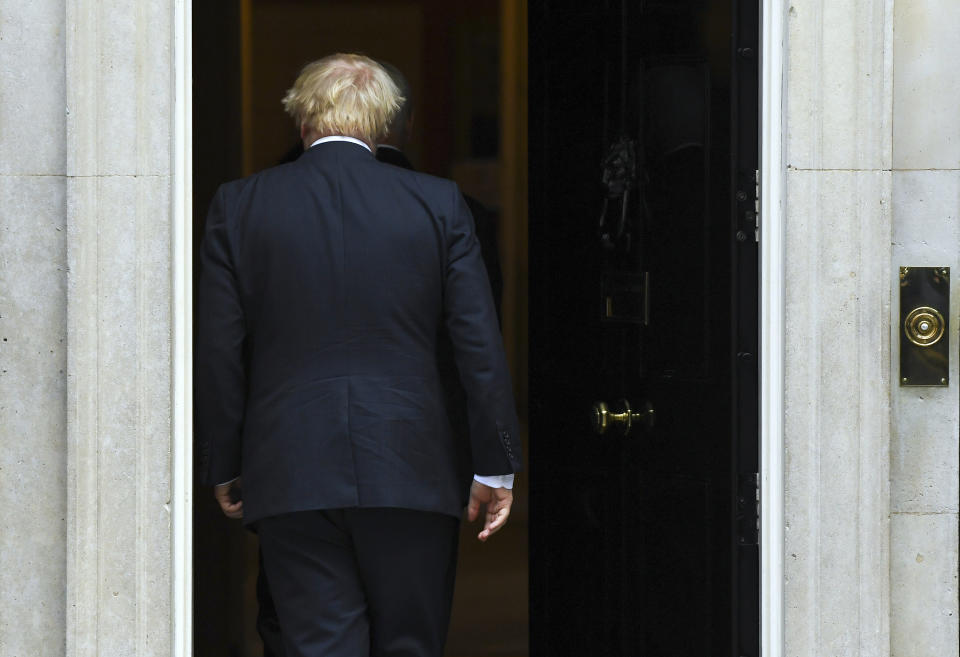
(229, 482)
(495, 481)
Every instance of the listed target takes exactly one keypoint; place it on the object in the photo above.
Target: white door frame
(772, 203)
(772, 282)
(182, 511)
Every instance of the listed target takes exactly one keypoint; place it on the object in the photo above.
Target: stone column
(33, 328)
(119, 133)
(926, 421)
(837, 341)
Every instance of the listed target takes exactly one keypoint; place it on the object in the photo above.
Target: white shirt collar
(352, 140)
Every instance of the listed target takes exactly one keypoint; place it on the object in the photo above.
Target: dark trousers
(361, 582)
(268, 625)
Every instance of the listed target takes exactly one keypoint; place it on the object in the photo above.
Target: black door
(643, 327)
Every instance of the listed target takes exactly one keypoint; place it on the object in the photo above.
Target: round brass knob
(622, 418)
(924, 326)
(601, 417)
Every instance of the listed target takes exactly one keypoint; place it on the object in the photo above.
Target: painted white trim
(772, 285)
(182, 200)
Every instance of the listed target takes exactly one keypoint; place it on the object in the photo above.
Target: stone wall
(86, 132)
(120, 138)
(837, 342)
(871, 481)
(926, 421)
(33, 330)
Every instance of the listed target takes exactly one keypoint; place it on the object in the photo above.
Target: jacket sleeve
(471, 321)
(220, 376)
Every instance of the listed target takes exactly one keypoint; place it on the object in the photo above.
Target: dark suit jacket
(483, 220)
(455, 397)
(322, 285)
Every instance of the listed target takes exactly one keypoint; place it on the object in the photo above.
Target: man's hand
(498, 502)
(229, 497)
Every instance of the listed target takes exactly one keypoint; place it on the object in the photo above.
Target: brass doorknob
(622, 418)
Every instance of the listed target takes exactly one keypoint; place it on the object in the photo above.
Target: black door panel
(643, 279)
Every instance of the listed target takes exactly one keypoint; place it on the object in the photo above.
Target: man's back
(341, 267)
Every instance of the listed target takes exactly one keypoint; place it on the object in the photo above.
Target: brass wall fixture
(924, 323)
(622, 418)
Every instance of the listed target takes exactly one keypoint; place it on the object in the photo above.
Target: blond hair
(344, 94)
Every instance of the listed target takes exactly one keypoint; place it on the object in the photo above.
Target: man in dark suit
(323, 283)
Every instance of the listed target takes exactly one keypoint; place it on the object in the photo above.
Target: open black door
(643, 328)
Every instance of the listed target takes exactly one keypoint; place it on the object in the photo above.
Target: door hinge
(756, 205)
(748, 509)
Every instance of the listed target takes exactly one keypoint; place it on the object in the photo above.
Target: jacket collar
(340, 138)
